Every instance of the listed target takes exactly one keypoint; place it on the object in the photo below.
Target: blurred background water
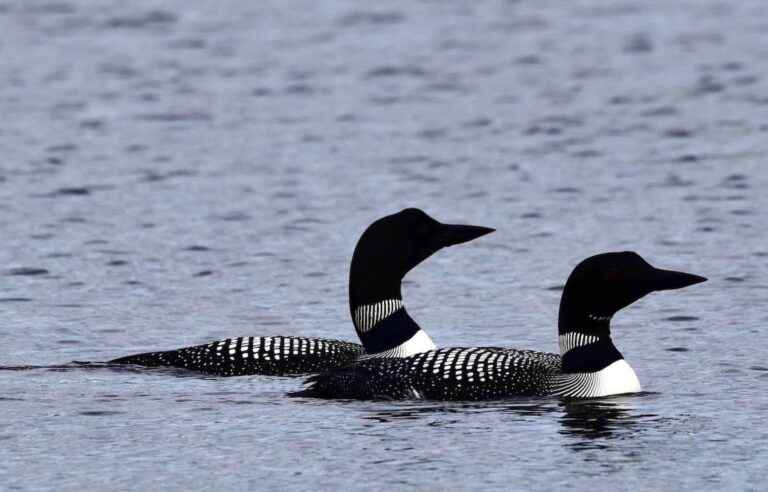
(176, 172)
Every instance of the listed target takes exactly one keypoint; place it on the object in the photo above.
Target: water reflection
(119, 368)
(59, 367)
(417, 411)
(595, 422)
(591, 423)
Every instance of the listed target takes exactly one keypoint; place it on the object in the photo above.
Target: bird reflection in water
(523, 407)
(593, 423)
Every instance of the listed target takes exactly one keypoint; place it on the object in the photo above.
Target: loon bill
(388, 249)
(588, 366)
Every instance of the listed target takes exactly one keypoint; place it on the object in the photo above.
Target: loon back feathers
(244, 356)
(284, 355)
(481, 373)
(287, 355)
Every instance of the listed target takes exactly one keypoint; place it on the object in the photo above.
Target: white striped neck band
(369, 315)
(573, 339)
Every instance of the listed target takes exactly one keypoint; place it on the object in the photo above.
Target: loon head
(603, 284)
(393, 245)
(599, 287)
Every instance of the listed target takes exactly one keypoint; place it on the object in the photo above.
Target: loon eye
(613, 275)
(422, 230)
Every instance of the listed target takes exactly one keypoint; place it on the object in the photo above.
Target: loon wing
(243, 356)
(481, 373)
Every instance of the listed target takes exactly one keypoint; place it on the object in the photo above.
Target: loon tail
(148, 359)
(338, 383)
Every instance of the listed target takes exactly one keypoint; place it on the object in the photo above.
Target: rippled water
(177, 172)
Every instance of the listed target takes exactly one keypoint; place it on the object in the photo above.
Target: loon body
(388, 249)
(589, 365)
(242, 356)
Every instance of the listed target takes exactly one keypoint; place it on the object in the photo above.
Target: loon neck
(585, 343)
(591, 365)
(381, 321)
(372, 299)
(583, 322)
(386, 330)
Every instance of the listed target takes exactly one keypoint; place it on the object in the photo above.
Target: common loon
(388, 249)
(589, 365)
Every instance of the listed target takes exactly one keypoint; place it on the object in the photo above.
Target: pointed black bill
(670, 279)
(451, 234)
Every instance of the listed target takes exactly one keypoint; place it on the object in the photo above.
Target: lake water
(177, 172)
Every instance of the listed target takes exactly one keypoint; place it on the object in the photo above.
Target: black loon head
(597, 288)
(390, 247)
(386, 251)
(603, 284)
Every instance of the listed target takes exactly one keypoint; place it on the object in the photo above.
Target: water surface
(178, 172)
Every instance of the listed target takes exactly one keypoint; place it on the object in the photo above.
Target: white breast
(616, 379)
(418, 343)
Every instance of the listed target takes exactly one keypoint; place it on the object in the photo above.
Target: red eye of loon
(614, 275)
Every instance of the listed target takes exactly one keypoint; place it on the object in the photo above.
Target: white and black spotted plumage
(482, 373)
(244, 356)
(285, 355)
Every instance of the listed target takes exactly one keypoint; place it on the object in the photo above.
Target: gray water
(177, 172)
